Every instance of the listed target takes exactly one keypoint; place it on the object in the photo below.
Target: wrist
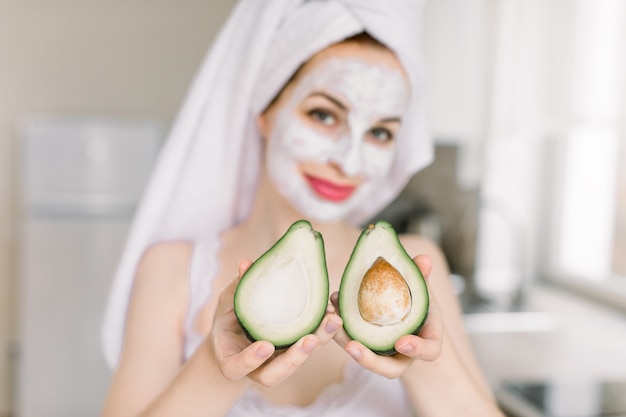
(199, 389)
(445, 387)
(213, 371)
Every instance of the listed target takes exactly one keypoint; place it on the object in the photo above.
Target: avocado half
(284, 294)
(383, 295)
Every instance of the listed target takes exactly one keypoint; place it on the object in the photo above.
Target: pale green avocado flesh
(284, 294)
(373, 305)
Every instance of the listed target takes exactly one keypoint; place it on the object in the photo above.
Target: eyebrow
(391, 120)
(345, 108)
(331, 99)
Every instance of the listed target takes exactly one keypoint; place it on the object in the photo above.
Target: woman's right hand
(259, 361)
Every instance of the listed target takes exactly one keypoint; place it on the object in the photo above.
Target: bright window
(589, 235)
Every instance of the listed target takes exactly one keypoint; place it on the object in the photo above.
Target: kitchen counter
(562, 347)
(565, 337)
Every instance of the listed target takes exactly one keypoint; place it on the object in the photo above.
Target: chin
(322, 211)
(326, 219)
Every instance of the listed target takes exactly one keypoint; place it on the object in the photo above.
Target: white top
(361, 393)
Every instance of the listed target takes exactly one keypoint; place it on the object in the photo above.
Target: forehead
(360, 86)
(375, 54)
(354, 76)
(365, 77)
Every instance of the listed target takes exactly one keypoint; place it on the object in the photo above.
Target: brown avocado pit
(384, 297)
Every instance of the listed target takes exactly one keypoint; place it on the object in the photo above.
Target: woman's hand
(426, 346)
(259, 361)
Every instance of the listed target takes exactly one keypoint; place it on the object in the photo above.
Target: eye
(323, 116)
(380, 135)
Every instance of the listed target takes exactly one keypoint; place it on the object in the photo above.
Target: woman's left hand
(426, 346)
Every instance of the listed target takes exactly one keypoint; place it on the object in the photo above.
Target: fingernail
(264, 352)
(355, 353)
(309, 345)
(405, 349)
(331, 326)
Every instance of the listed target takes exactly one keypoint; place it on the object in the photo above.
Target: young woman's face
(331, 132)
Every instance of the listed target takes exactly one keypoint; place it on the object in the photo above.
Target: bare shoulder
(416, 245)
(438, 280)
(162, 277)
(167, 251)
(166, 260)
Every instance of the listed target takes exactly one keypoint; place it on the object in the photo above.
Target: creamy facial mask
(370, 93)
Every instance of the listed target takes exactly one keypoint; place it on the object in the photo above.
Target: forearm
(200, 389)
(445, 388)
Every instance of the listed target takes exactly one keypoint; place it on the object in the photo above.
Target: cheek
(377, 161)
(302, 143)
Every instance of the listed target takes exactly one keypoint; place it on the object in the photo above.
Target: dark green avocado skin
(252, 339)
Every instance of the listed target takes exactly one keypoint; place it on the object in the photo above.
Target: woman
(248, 157)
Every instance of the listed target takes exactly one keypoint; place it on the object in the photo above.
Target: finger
(225, 300)
(425, 264)
(427, 344)
(334, 301)
(226, 296)
(341, 337)
(433, 327)
(388, 366)
(285, 364)
(224, 317)
(237, 366)
(328, 327)
(331, 309)
(415, 347)
(434, 321)
(243, 266)
(227, 335)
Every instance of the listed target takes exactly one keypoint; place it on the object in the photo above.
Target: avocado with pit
(284, 294)
(383, 295)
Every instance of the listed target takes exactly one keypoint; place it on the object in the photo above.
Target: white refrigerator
(81, 180)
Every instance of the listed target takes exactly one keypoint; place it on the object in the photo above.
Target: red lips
(329, 190)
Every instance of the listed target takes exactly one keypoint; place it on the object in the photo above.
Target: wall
(116, 58)
(458, 53)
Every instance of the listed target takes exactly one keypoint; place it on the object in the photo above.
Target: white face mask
(371, 93)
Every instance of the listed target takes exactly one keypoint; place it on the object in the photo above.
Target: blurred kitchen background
(527, 102)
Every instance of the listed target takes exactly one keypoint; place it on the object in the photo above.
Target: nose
(352, 161)
(352, 156)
